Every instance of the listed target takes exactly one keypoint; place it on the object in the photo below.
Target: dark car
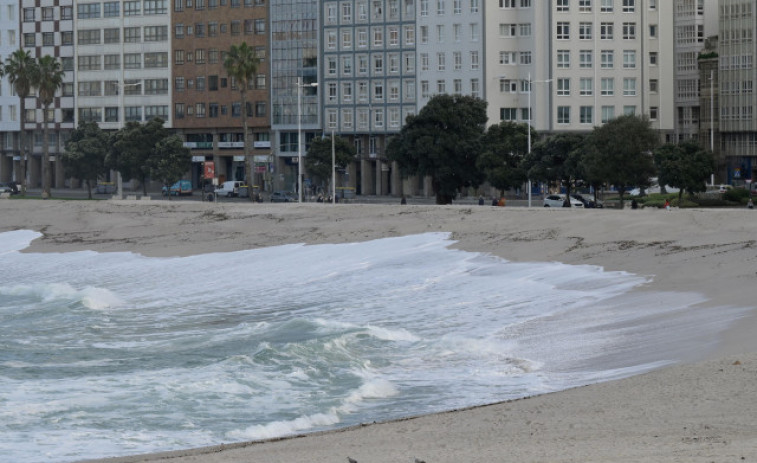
(282, 197)
(588, 201)
(9, 187)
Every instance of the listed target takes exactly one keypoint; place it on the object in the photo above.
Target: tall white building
(737, 51)
(9, 103)
(589, 61)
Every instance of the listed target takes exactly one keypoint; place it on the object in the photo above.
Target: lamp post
(300, 85)
(530, 88)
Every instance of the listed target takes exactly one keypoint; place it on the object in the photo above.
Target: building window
(629, 6)
(132, 8)
(89, 37)
(132, 61)
(608, 86)
(90, 114)
(606, 31)
(563, 86)
(629, 86)
(29, 40)
(563, 114)
(629, 59)
(563, 5)
(629, 31)
(563, 59)
(607, 6)
(48, 39)
(88, 10)
(111, 114)
(132, 34)
(587, 114)
(585, 31)
(89, 63)
(29, 15)
(653, 113)
(608, 59)
(156, 33)
(156, 6)
(112, 61)
(587, 86)
(111, 9)
(66, 13)
(156, 60)
(608, 113)
(90, 88)
(563, 30)
(586, 59)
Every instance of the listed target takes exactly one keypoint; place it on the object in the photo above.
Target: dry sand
(697, 412)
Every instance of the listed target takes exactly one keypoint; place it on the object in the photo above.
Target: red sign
(210, 170)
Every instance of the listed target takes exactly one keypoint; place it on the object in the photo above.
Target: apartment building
(737, 54)
(207, 105)
(369, 82)
(47, 28)
(570, 65)
(9, 104)
(694, 21)
(294, 85)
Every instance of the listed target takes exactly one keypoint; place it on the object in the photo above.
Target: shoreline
(709, 252)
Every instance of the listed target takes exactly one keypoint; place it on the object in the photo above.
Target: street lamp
(530, 88)
(300, 85)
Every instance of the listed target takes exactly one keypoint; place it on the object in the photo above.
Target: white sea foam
(115, 353)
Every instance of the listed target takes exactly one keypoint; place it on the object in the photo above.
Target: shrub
(737, 195)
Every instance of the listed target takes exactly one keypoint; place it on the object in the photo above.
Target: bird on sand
(418, 460)
(351, 460)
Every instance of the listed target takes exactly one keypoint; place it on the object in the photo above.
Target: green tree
(84, 157)
(318, 159)
(443, 141)
(241, 64)
(686, 166)
(619, 153)
(48, 79)
(20, 67)
(504, 148)
(133, 146)
(170, 161)
(557, 159)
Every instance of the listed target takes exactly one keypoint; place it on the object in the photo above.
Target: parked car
(182, 187)
(9, 187)
(588, 201)
(559, 201)
(282, 197)
(229, 188)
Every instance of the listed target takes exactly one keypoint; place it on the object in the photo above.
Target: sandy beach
(702, 411)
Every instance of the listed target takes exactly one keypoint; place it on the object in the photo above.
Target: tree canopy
(142, 151)
(443, 142)
(558, 159)
(84, 157)
(170, 161)
(620, 153)
(504, 148)
(686, 166)
(318, 159)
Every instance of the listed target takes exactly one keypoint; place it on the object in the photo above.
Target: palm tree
(241, 64)
(20, 67)
(48, 80)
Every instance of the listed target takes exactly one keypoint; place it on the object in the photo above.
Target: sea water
(108, 354)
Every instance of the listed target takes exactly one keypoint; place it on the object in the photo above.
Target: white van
(229, 189)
